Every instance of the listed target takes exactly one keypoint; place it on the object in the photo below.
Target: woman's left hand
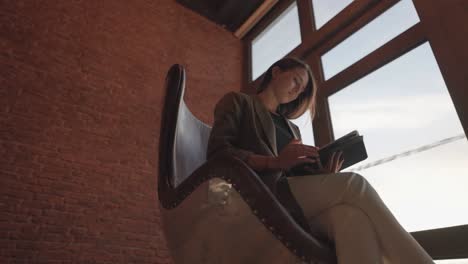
(334, 164)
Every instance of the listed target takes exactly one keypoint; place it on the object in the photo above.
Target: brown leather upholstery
(183, 170)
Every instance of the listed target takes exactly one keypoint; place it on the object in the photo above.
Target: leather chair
(219, 211)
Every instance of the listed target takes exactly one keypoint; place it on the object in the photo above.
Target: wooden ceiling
(230, 14)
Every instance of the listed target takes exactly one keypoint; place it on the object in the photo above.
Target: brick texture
(81, 88)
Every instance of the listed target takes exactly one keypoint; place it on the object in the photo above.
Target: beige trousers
(348, 209)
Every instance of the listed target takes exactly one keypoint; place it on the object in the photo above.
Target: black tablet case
(352, 145)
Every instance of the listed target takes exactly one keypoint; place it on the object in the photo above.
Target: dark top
(283, 135)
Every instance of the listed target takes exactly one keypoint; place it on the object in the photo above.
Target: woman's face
(287, 85)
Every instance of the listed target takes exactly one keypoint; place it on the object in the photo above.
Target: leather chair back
(188, 137)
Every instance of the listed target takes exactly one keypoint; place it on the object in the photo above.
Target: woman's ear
(275, 71)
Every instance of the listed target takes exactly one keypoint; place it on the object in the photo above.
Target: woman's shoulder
(235, 97)
(234, 102)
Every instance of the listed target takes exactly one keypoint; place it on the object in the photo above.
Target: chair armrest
(261, 201)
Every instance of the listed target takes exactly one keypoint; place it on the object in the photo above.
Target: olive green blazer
(242, 125)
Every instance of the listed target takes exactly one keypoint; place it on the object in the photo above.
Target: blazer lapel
(291, 128)
(266, 124)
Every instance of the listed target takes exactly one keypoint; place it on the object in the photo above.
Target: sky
(401, 106)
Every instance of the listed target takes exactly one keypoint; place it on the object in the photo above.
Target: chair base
(214, 225)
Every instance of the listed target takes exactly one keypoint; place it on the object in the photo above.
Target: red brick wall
(80, 104)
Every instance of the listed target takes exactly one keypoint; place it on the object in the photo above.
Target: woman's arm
(311, 170)
(291, 155)
(225, 132)
(334, 164)
(262, 163)
(227, 119)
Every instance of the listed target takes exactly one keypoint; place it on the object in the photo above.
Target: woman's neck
(269, 100)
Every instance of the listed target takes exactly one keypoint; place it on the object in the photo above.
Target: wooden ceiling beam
(264, 8)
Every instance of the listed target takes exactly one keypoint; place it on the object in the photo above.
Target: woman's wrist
(273, 163)
(262, 163)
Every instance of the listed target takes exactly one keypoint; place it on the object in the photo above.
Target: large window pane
(402, 107)
(379, 31)
(304, 123)
(277, 40)
(324, 10)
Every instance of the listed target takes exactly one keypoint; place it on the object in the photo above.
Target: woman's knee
(354, 180)
(352, 175)
(358, 186)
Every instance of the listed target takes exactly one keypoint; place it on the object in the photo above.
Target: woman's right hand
(296, 153)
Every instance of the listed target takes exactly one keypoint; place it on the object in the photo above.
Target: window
(276, 41)
(379, 31)
(324, 10)
(404, 109)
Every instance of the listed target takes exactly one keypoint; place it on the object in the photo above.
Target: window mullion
(306, 17)
(403, 43)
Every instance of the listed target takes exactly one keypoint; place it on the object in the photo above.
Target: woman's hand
(335, 163)
(296, 153)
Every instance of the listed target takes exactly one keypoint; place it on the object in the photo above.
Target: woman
(344, 206)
